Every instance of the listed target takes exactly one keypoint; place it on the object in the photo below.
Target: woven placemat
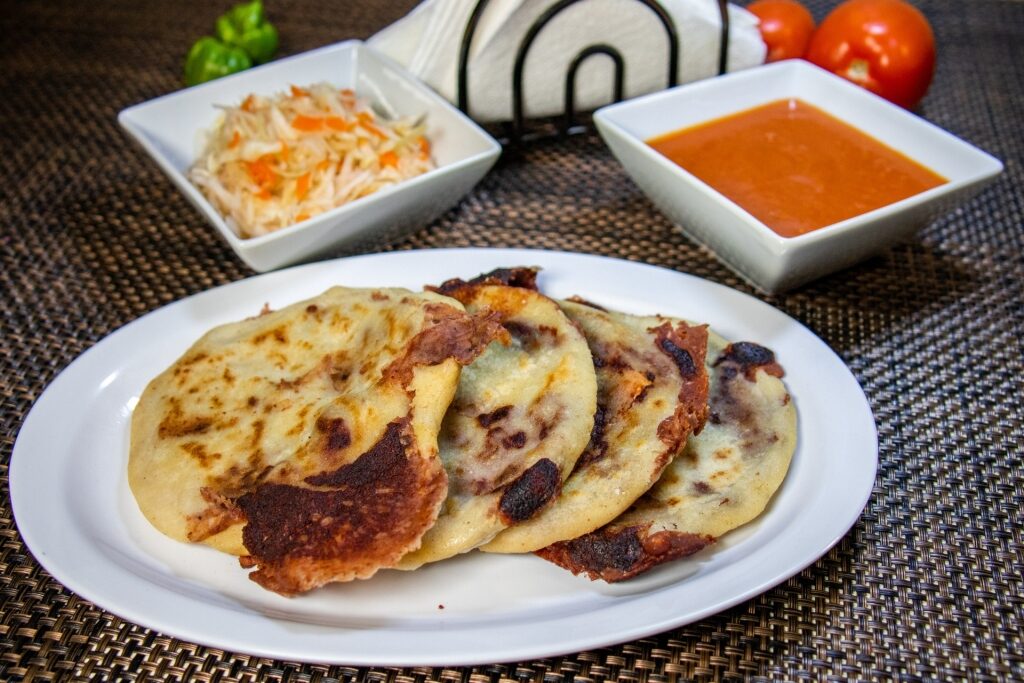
(926, 586)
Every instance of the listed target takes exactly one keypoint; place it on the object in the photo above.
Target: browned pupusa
(521, 416)
(305, 439)
(652, 394)
(724, 478)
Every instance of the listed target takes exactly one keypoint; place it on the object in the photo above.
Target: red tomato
(887, 46)
(786, 27)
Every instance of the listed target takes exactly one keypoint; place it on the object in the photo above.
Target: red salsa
(794, 167)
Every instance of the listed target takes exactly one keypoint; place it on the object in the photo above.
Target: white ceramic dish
(72, 504)
(772, 262)
(171, 129)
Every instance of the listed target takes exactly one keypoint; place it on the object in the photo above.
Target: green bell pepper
(209, 59)
(245, 26)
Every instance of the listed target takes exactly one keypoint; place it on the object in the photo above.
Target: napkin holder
(517, 129)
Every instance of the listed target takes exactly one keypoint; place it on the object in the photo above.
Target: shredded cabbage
(275, 161)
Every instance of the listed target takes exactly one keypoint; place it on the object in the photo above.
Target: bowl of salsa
(788, 172)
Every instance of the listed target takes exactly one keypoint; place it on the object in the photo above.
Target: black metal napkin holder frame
(517, 128)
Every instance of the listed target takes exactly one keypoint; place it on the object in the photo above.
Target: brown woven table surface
(926, 586)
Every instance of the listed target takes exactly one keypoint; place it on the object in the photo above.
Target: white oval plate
(73, 507)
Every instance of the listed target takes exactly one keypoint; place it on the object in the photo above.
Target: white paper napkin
(427, 42)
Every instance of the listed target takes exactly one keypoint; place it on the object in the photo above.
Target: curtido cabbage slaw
(279, 160)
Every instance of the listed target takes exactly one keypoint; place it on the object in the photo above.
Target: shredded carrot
(339, 124)
(301, 217)
(264, 193)
(424, 148)
(302, 186)
(388, 160)
(249, 103)
(307, 124)
(323, 165)
(260, 172)
(283, 154)
(235, 140)
(299, 92)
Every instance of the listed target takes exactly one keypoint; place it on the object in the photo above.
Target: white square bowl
(172, 128)
(768, 260)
